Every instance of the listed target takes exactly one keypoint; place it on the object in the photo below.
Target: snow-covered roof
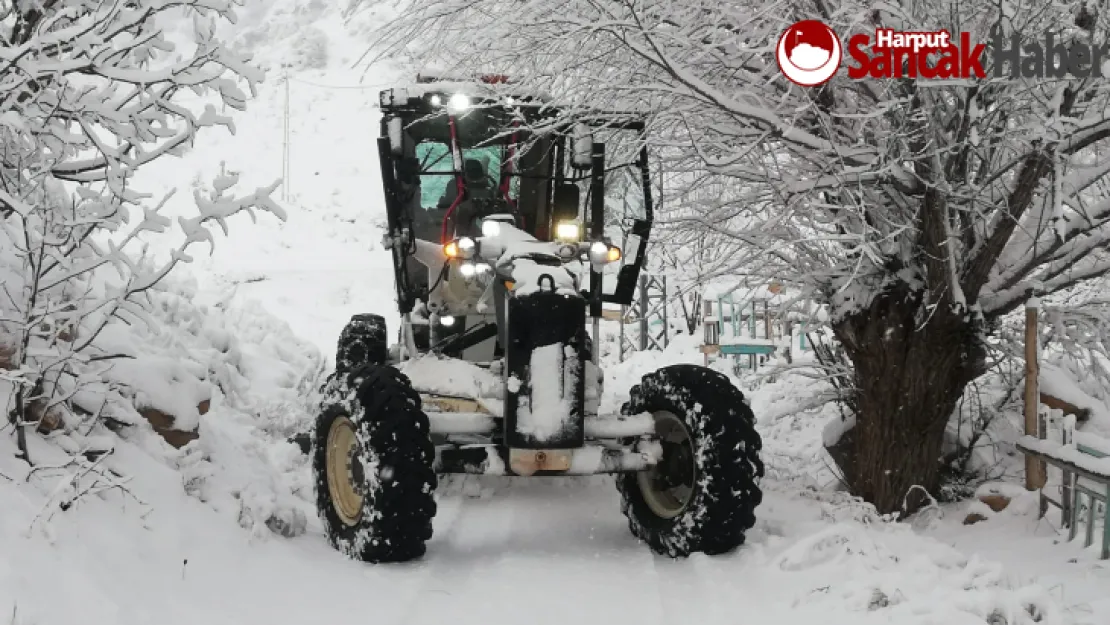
(477, 87)
(1061, 385)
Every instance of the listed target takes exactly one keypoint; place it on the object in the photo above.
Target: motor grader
(503, 218)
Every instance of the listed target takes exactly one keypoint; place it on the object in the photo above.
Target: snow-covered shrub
(256, 374)
(91, 93)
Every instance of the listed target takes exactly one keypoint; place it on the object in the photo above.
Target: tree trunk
(909, 376)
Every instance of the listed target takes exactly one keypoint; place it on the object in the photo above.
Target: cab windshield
(505, 168)
(482, 169)
(503, 171)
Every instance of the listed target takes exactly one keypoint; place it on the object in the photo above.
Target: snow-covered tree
(90, 92)
(922, 213)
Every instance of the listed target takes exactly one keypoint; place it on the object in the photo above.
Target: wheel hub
(344, 471)
(668, 487)
(678, 467)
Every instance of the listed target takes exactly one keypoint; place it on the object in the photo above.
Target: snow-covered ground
(187, 542)
(195, 535)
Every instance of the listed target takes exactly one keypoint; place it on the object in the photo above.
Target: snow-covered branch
(91, 92)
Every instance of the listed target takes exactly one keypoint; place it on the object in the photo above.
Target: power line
(287, 130)
(323, 86)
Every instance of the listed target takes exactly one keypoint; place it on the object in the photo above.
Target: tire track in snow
(456, 558)
(541, 550)
(574, 544)
(449, 509)
(686, 592)
(570, 557)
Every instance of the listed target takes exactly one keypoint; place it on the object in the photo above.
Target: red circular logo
(808, 53)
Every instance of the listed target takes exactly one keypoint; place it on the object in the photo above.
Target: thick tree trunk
(909, 377)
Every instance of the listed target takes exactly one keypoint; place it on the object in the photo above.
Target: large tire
(702, 495)
(362, 342)
(372, 467)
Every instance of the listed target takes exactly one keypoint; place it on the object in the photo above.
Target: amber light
(451, 250)
(614, 254)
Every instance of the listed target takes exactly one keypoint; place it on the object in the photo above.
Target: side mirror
(582, 154)
(565, 204)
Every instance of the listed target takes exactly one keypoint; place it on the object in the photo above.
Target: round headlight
(459, 102)
(490, 228)
(602, 253)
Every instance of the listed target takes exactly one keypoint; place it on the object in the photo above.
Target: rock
(974, 518)
(997, 503)
(290, 524)
(49, 418)
(203, 406)
(52, 420)
(163, 425)
(68, 333)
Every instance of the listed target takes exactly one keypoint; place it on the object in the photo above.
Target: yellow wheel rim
(346, 496)
(668, 487)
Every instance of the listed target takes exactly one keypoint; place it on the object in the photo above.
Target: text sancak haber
(896, 54)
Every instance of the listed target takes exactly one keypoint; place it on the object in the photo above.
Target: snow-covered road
(535, 550)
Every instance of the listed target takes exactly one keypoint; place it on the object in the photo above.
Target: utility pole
(285, 167)
(1035, 470)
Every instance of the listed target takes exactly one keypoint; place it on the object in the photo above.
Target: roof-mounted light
(568, 232)
(459, 102)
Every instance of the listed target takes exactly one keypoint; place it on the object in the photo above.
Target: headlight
(468, 270)
(602, 253)
(467, 247)
(459, 102)
(490, 228)
(435, 100)
(568, 231)
(464, 247)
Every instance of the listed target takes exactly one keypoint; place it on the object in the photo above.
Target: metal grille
(644, 324)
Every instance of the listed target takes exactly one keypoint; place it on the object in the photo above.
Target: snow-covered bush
(92, 92)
